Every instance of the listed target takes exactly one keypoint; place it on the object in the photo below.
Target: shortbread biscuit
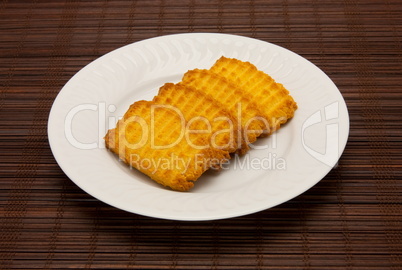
(149, 138)
(247, 112)
(273, 98)
(220, 127)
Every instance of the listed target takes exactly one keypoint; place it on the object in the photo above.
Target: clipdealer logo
(148, 129)
(329, 112)
(331, 153)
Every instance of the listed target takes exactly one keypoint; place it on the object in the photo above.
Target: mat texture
(349, 220)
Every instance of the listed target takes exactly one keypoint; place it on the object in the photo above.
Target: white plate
(299, 155)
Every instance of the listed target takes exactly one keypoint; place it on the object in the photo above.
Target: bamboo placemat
(350, 220)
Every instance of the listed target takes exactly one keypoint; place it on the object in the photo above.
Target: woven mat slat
(350, 220)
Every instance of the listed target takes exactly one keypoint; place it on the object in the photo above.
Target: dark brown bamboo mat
(349, 220)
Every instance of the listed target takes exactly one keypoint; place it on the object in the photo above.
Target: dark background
(350, 220)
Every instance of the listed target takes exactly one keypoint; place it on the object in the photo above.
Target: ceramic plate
(279, 167)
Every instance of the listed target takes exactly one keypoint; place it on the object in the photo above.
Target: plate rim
(290, 196)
